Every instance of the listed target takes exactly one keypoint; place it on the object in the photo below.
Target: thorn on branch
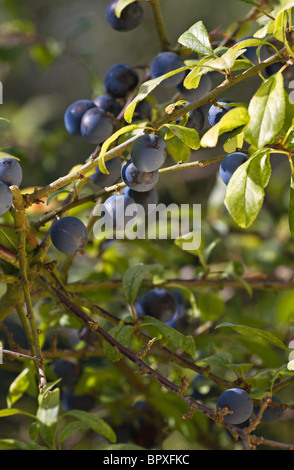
(146, 348)
(190, 412)
(185, 381)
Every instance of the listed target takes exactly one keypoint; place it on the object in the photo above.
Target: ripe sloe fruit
(196, 119)
(165, 62)
(138, 180)
(131, 16)
(67, 370)
(120, 79)
(72, 401)
(69, 235)
(230, 164)
(6, 198)
(238, 402)
(74, 113)
(143, 111)
(96, 125)
(102, 179)
(10, 171)
(108, 104)
(143, 198)
(148, 152)
(215, 113)
(271, 413)
(158, 303)
(115, 212)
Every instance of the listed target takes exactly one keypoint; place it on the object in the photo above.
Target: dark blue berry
(74, 113)
(138, 180)
(119, 212)
(238, 403)
(120, 79)
(96, 126)
(67, 370)
(145, 199)
(216, 112)
(72, 401)
(166, 62)
(196, 119)
(69, 235)
(10, 171)
(102, 179)
(230, 164)
(130, 17)
(271, 413)
(143, 111)
(158, 303)
(148, 153)
(6, 198)
(108, 104)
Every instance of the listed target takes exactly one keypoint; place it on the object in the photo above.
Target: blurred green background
(54, 53)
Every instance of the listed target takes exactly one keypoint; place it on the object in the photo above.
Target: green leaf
(133, 277)
(13, 411)
(190, 296)
(245, 190)
(145, 89)
(291, 207)
(70, 429)
(197, 39)
(34, 431)
(211, 306)
(234, 141)
(49, 386)
(240, 369)
(227, 60)
(178, 150)
(189, 136)
(109, 141)
(47, 415)
(55, 194)
(280, 25)
(192, 79)
(45, 54)
(267, 110)
(19, 386)
(9, 444)
(123, 335)
(234, 118)
(286, 4)
(252, 42)
(192, 242)
(93, 422)
(219, 359)
(255, 333)
(8, 237)
(171, 335)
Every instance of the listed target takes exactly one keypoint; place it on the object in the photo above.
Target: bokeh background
(54, 53)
